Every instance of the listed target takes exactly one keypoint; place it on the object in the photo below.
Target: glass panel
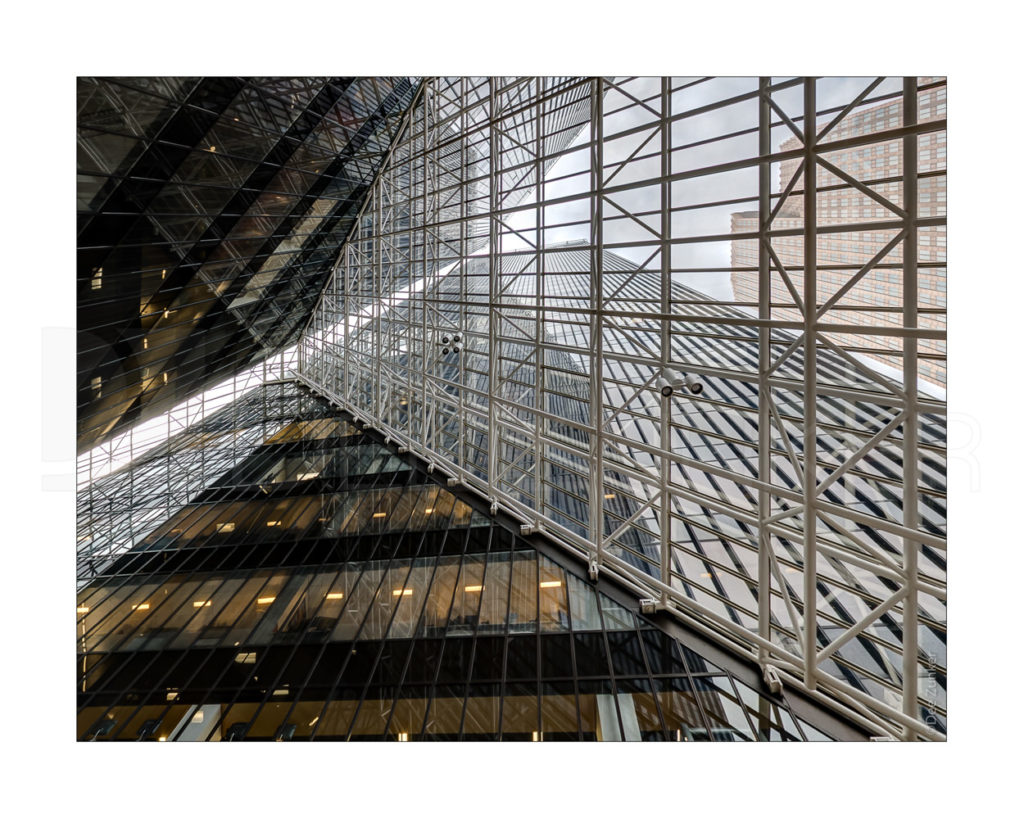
(391, 591)
(494, 598)
(468, 592)
(558, 712)
(728, 718)
(615, 616)
(273, 722)
(233, 725)
(583, 604)
(662, 653)
(627, 658)
(409, 711)
(599, 717)
(766, 716)
(521, 662)
(359, 601)
(305, 717)
(519, 714)
(202, 629)
(523, 589)
(445, 716)
(412, 599)
(640, 718)
(683, 717)
(553, 599)
(336, 719)
(483, 712)
(372, 718)
(439, 598)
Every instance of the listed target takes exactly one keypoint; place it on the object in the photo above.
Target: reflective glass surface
(320, 586)
(210, 213)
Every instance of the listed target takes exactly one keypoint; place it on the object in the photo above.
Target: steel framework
(550, 409)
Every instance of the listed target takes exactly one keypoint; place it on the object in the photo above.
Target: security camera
(446, 339)
(457, 337)
(445, 351)
(669, 382)
(694, 384)
(456, 348)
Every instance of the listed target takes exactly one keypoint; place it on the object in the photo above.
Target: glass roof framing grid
(866, 385)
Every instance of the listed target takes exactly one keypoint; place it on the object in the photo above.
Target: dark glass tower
(210, 213)
(322, 586)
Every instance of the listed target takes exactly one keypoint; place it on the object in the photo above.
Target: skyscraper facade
(210, 214)
(877, 298)
(326, 588)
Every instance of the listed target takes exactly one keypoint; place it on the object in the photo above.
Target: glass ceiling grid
(510, 326)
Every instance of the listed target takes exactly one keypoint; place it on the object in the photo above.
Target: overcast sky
(831, 92)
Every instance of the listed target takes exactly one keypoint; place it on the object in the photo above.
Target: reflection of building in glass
(324, 587)
(879, 294)
(210, 213)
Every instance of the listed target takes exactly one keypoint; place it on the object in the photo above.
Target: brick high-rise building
(841, 254)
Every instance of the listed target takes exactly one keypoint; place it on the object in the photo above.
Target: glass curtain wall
(321, 586)
(210, 211)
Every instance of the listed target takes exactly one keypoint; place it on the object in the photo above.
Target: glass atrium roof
(689, 331)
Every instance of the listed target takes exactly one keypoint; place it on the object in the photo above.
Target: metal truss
(516, 287)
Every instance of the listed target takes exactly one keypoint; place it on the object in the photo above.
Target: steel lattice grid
(553, 393)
